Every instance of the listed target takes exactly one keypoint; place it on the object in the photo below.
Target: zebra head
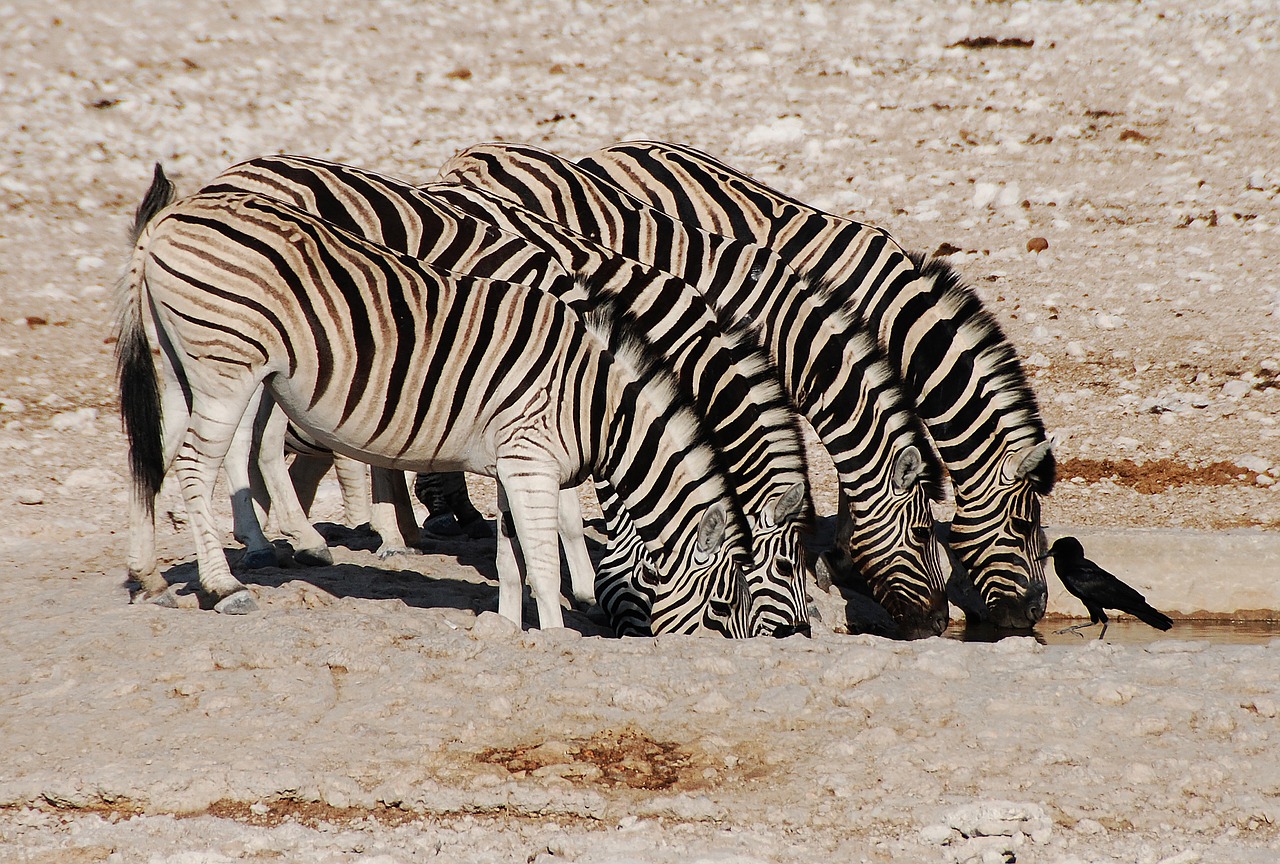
(779, 605)
(887, 540)
(703, 587)
(996, 535)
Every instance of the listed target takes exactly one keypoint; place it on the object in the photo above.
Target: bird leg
(1078, 628)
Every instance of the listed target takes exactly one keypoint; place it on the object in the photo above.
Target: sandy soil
(373, 712)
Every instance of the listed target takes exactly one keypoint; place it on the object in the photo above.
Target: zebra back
(721, 372)
(362, 347)
(836, 378)
(958, 365)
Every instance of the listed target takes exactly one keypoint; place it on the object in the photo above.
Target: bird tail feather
(1150, 615)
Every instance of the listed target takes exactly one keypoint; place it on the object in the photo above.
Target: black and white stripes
(383, 358)
(832, 372)
(648, 317)
(959, 368)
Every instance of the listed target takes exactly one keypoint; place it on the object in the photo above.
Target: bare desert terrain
(379, 712)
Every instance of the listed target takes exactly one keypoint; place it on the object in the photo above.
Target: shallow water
(1130, 632)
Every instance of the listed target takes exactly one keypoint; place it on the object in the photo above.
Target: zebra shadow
(457, 573)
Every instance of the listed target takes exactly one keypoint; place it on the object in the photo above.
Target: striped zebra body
(356, 201)
(965, 377)
(386, 360)
(831, 370)
(725, 378)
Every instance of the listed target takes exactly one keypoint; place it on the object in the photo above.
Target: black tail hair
(140, 409)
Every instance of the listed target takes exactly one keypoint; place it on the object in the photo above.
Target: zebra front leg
(509, 563)
(245, 493)
(582, 574)
(309, 546)
(533, 496)
(392, 514)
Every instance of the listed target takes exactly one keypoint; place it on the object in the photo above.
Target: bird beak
(1045, 556)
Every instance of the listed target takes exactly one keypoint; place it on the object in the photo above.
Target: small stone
(80, 420)
(1236, 388)
(937, 835)
(1252, 462)
(491, 625)
(1037, 245)
(29, 495)
(1075, 350)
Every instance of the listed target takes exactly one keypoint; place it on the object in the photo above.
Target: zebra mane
(755, 364)
(901, 416)
(619, 331)
(993, 355)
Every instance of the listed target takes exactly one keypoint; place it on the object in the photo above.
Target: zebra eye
(784, 566)
(1022, 527)
(922, 534)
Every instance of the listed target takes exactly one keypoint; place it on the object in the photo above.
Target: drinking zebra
(963, 374)
(383, 358)
(728, 380)
(830, 368)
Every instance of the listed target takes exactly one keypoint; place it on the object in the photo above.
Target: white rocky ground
(372, 716)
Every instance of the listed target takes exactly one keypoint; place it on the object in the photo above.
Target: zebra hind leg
(209, 433)
(143, 571)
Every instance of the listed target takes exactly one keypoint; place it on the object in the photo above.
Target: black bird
(1097, 589)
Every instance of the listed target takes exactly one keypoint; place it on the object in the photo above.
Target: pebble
(1252, 462)
(28, 495)
(1236, 388)
(491, 625)
(81, 420)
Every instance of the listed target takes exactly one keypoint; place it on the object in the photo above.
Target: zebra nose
(785, 630)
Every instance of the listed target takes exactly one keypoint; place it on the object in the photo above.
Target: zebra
(959, 367)
(729, 381)
(363, 349)
(830, 368)
(503, 257)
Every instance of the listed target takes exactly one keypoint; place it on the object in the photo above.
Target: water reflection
(1128, 632)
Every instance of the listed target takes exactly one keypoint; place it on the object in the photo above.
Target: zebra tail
(140, 409)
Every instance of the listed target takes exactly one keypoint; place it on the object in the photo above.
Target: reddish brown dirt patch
(1151, 477)
(627, 758)
(309, 813)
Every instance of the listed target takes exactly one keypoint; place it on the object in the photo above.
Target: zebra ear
(711, 531)
(908, 467)
(788, 507)
(1038, 466)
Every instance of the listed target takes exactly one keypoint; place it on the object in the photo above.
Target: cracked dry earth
(1105, 174)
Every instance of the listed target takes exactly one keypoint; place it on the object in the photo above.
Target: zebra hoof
(239, 603)
(165, 599)
(256, 559)
(318, 557)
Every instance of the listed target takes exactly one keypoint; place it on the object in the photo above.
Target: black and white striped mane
(994, 352)
(877, 371)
